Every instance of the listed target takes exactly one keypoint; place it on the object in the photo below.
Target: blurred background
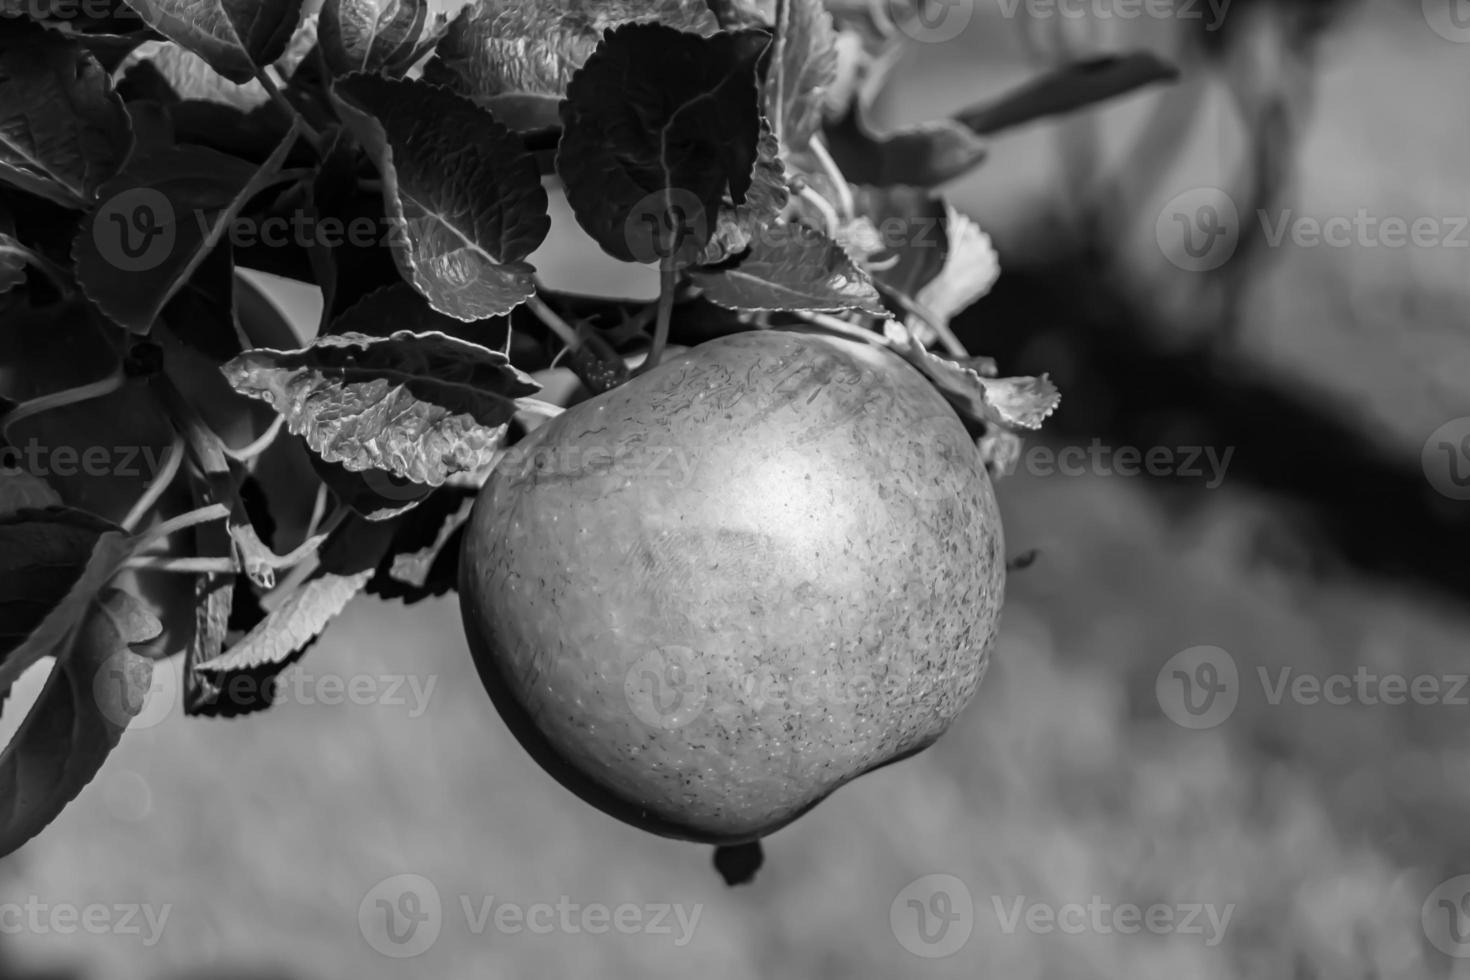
(1185, 760)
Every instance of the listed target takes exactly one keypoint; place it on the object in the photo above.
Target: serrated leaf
(791, 267)
(914, 244)
(374, 494)
(423, 559)
(368, 35)
(63, 131)
(970, 268)
(419, 406)
(1066, 89)
(20, 490)
(188, 76)
(96, 688)
(657, 128)
(767, 197)
(233, 36)
(293, 624)
(390, 309)
(135, 251)
(1023, 402)
(803, 65)
(463, 195)
(519, 55)
(53, 564)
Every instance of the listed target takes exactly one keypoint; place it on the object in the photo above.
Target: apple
(711, 596)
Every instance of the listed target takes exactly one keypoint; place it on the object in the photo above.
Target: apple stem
(668, 281)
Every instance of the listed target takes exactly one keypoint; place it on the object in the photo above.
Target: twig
(952, 345)
(211, 512)
(248, 452)
(58, 399)
(556, 324)
(161, 480)
(839, 326)
(191, 566)
(846, 206)
(829, 213)
(298, 121)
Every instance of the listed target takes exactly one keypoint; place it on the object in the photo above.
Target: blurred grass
(1325, 826)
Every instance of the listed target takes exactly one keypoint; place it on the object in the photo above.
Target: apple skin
(707, 598)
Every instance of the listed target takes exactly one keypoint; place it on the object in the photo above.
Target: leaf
(516, 57)
(387, 37)
(767, 197)
(910, 222)
(791, 267)
(13, 255)
(20, 490)
(925, 155)
(374, 494)
(233, 36)
(390, 309)
(423, 558)
(803, 65)
(970, 269)
(420, 406)
(293, 624)
(53, 564)
(138, 248)
(657, 128)
(202, 312)
(96, 688)
(187, 76)
(52, 348)
(465, 199)
(63, 131)
(1023, 402)
(1068, 88)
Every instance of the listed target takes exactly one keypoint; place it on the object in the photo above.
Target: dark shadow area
(1124, 385)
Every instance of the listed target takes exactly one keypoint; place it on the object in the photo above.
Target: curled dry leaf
(420, 406)
(1017, 402)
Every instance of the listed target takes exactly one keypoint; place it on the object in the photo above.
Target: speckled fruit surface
(709, 597)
